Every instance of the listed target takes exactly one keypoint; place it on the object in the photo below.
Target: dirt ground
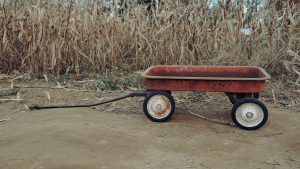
(119, 135)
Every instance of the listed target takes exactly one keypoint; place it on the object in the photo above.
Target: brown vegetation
(45, 38)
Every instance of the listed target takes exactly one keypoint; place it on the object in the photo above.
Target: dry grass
(45, 38)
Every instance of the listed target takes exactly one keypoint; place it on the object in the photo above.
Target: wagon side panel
(243, 86)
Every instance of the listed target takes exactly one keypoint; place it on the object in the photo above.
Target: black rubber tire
(249, 100)
(166, 94)
(254, 95)
(167, 91)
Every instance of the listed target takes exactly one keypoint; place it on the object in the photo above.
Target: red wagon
(242, 85)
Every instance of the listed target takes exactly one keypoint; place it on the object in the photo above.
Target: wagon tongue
(133, 94)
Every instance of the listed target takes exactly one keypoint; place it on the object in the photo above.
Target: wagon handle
(133, 94)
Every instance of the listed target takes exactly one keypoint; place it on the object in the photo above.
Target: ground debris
(212, 120)
(3, 120)
(269, 134)
(293, 160)
(9, 92)
(273, 162)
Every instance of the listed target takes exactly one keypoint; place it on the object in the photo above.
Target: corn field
(43, 37)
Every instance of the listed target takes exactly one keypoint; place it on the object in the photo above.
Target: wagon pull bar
(133, 94)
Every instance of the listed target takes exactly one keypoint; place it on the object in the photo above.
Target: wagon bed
(237, 79)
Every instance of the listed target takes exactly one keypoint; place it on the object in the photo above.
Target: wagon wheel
(249, 113)
(237, 96)
(159, 106)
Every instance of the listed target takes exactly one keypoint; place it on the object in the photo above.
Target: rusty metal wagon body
(234, 79)
(242, 84)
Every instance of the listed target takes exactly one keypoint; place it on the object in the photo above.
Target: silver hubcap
(249, 114)
(159, 106)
